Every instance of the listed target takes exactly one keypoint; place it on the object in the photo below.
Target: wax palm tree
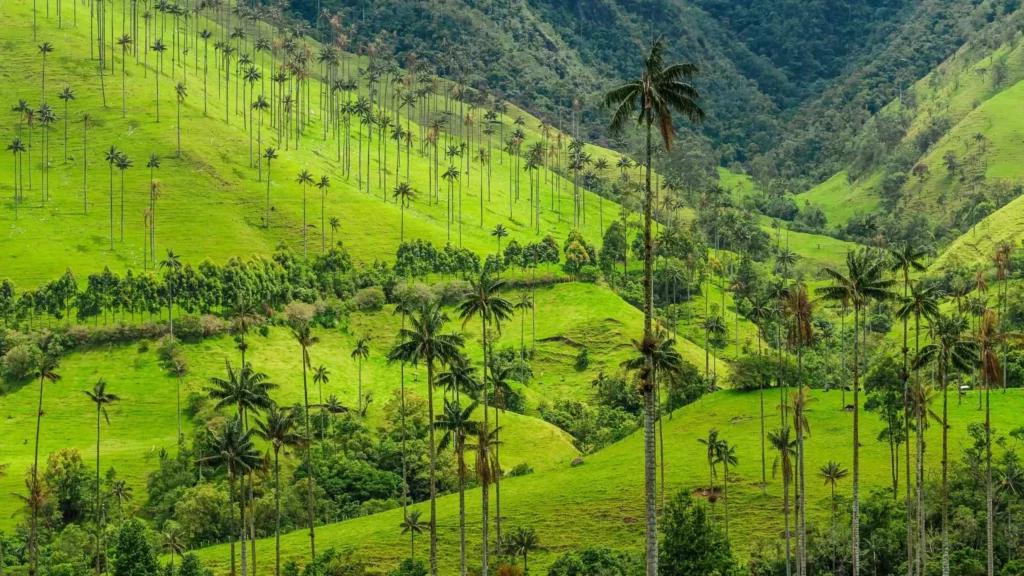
(246, 390)
(799, 309)
(798, 401)
(832, 473)
(125, 42)
(260, 106)
(277, 429)
(323, 185)
(66, 95)
(181, 93)
(760, 311)
(172, 264)
(303, 179)
(172, 541)
(779, 440)
(111, 157)
(321, 376)
(403, 195)
(268, 155)
(727, 457)
(498, 233)
(17, 148)
(521, 542)
(122, 162)
(359, 353)
(44, 49)
(412, 525)
(487, 470)
(46, 371)
(99, 396)
(423, 341)
(234, 450)
(653, 97)
(178, 367)
(457, 425)
(303, 335)
(451, 176)
(159, 47)
(862, 283)
(484, 301)
(712, 446)
(951, 353)
(335, 224)
(902, 260)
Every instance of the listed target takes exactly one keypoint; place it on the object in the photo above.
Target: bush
(589, 274)
(409, 567)
(192, 327)
(521, 469)
(593, 561)
(143, 346)
(20, 361)
(299, 312)
(582, 360)
(369, 299)
(168, 349)
(692, 545)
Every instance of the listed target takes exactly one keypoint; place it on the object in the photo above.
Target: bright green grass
(840, 200)
(212, 204)
(600, 502)
(568, 316)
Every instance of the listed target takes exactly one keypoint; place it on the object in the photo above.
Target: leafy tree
(692, 545)
(134, 556)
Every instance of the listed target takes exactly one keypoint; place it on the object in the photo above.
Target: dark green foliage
(409, 567)
(692, 545)
(191, 566)
(134, 556)
(597, 562)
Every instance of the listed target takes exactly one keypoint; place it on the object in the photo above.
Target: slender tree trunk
(855, 534)
(309, 463)
(433, 478)
(650, 473)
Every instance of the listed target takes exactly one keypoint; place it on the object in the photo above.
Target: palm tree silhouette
(102, 399)
(412, 525)
(403, 196)
(862, 283)
(234, 450)
(659, 90)
(457, 425)
(303, 179)
(303, 335)
(277, 428)
(359, 353)
(424, 342)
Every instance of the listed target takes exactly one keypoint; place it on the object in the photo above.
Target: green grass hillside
(605, 502)
(569, 316)
(212, 203)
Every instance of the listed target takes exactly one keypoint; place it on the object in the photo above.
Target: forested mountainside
(791, 82)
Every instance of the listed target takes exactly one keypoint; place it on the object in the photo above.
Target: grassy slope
(212, 204)
(605, 504)
(144, 422)
(839, 199)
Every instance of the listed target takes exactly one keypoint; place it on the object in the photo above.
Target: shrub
(409, 567)
(143, 346)
(521, 469)
(589, 274)
(369, 299)
(168, 348)
(20, 361)
(299, 312)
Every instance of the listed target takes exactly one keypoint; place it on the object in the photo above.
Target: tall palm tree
(484, 301)
(903, 260)
(359, 353)
(951, 353)
(44, 49)
(125, 42)
(111, 157)
(760, 311)
(172, 265)
(235, 451)
(66, 95)
(457, 426)
(832, 473)
(653, 97)
(303, 179)
(172, 541)
(712, 446)
(277, 429)
(268, 155)
(487, 471)
(321, 376)
(726, 455)
(498, 233)
(303, 335)
(323, 185)
(178, 367)
(335, 224)
(799, 308)
(412, 525)
(781, 443)
(46, 371)
(424, 342)
(181, 93)
(122, 162)
(260, 106)
(102, 399)
(17, 148)
(862, 283)
(403, 195)
(451, 176)
(159, 47)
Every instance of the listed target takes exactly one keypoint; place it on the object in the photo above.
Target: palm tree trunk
(433, 462)
(309, 462)
(462, 508)
(231, 514)
(855, 515)
(990, 516)
(650, 473)
(277, 514)
(99, 523)
(945, 470)
(34, 528)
